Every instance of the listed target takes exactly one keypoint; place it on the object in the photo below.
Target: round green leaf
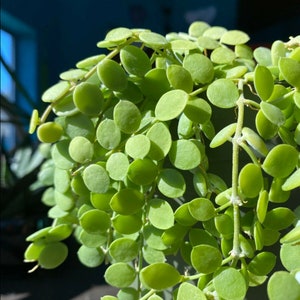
(201, 75)
(56, 91)
(79, 125)
(236, 72)
(184, 154)
(171, 183)
(123, 250)
(153, 237)
(292, 182)
(270, 236)
(171, 105)
(154, 84)
(138, 146)
(127, 116)
(292, 236)
(178, 45)
(127, 201)
(174, 235)
(160, 214)
(41, 233)
(223, 135)
(53, 255)
(279, 218)
(197, 28)
(112, 75)
(92, 240)
(283, 285)
(272, 113)
(243, 51)
(224, 225)
(161, 141)
(290, 70)
(32, 252)
(263, 82)
(81, 149)
(230, 284)
(276, 193)
(142, 171)
(180, 78)
(152, 255)
(65, 106)
(127, 224)
(88, 98)
(61, 180)
(127, 293)
(59, 232)
(222, 55)
(101, 200)
(153, 40)
(250, 180)
(95, 221)
(159, 276)
(255, 141)
(198, 110)
(223, 93)
(262, 263)
(281, 161)
(89, 62)
(131, 93)
(108, 134)
(234, 37)
(215, 32)
(118, 34)
(188, 291)
(263, 56)
(206, 42)
(117, 166)
(201, 209)
(185, 127)
(183, 216)
(264, 126)
(90, 257)
(96, 178)
(49, 132)
(206, 259)
(120, 275)
(289, 256)
(134, 60)
(64, 201)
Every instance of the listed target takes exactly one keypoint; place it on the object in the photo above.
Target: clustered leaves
(128, 171)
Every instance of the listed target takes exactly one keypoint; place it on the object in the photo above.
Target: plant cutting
(173, 159)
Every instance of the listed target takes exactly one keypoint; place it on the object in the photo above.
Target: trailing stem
(235, 198)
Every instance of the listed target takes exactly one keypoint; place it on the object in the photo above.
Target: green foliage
(132, 153)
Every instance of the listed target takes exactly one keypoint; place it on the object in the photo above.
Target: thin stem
(250, 153)
(146, 296)
(198, 91)
(235, 199)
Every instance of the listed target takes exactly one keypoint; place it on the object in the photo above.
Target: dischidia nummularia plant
(173, 159)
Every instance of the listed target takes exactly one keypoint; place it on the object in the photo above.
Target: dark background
(66, 32)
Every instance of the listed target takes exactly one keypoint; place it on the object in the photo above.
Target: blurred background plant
(21, 210)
